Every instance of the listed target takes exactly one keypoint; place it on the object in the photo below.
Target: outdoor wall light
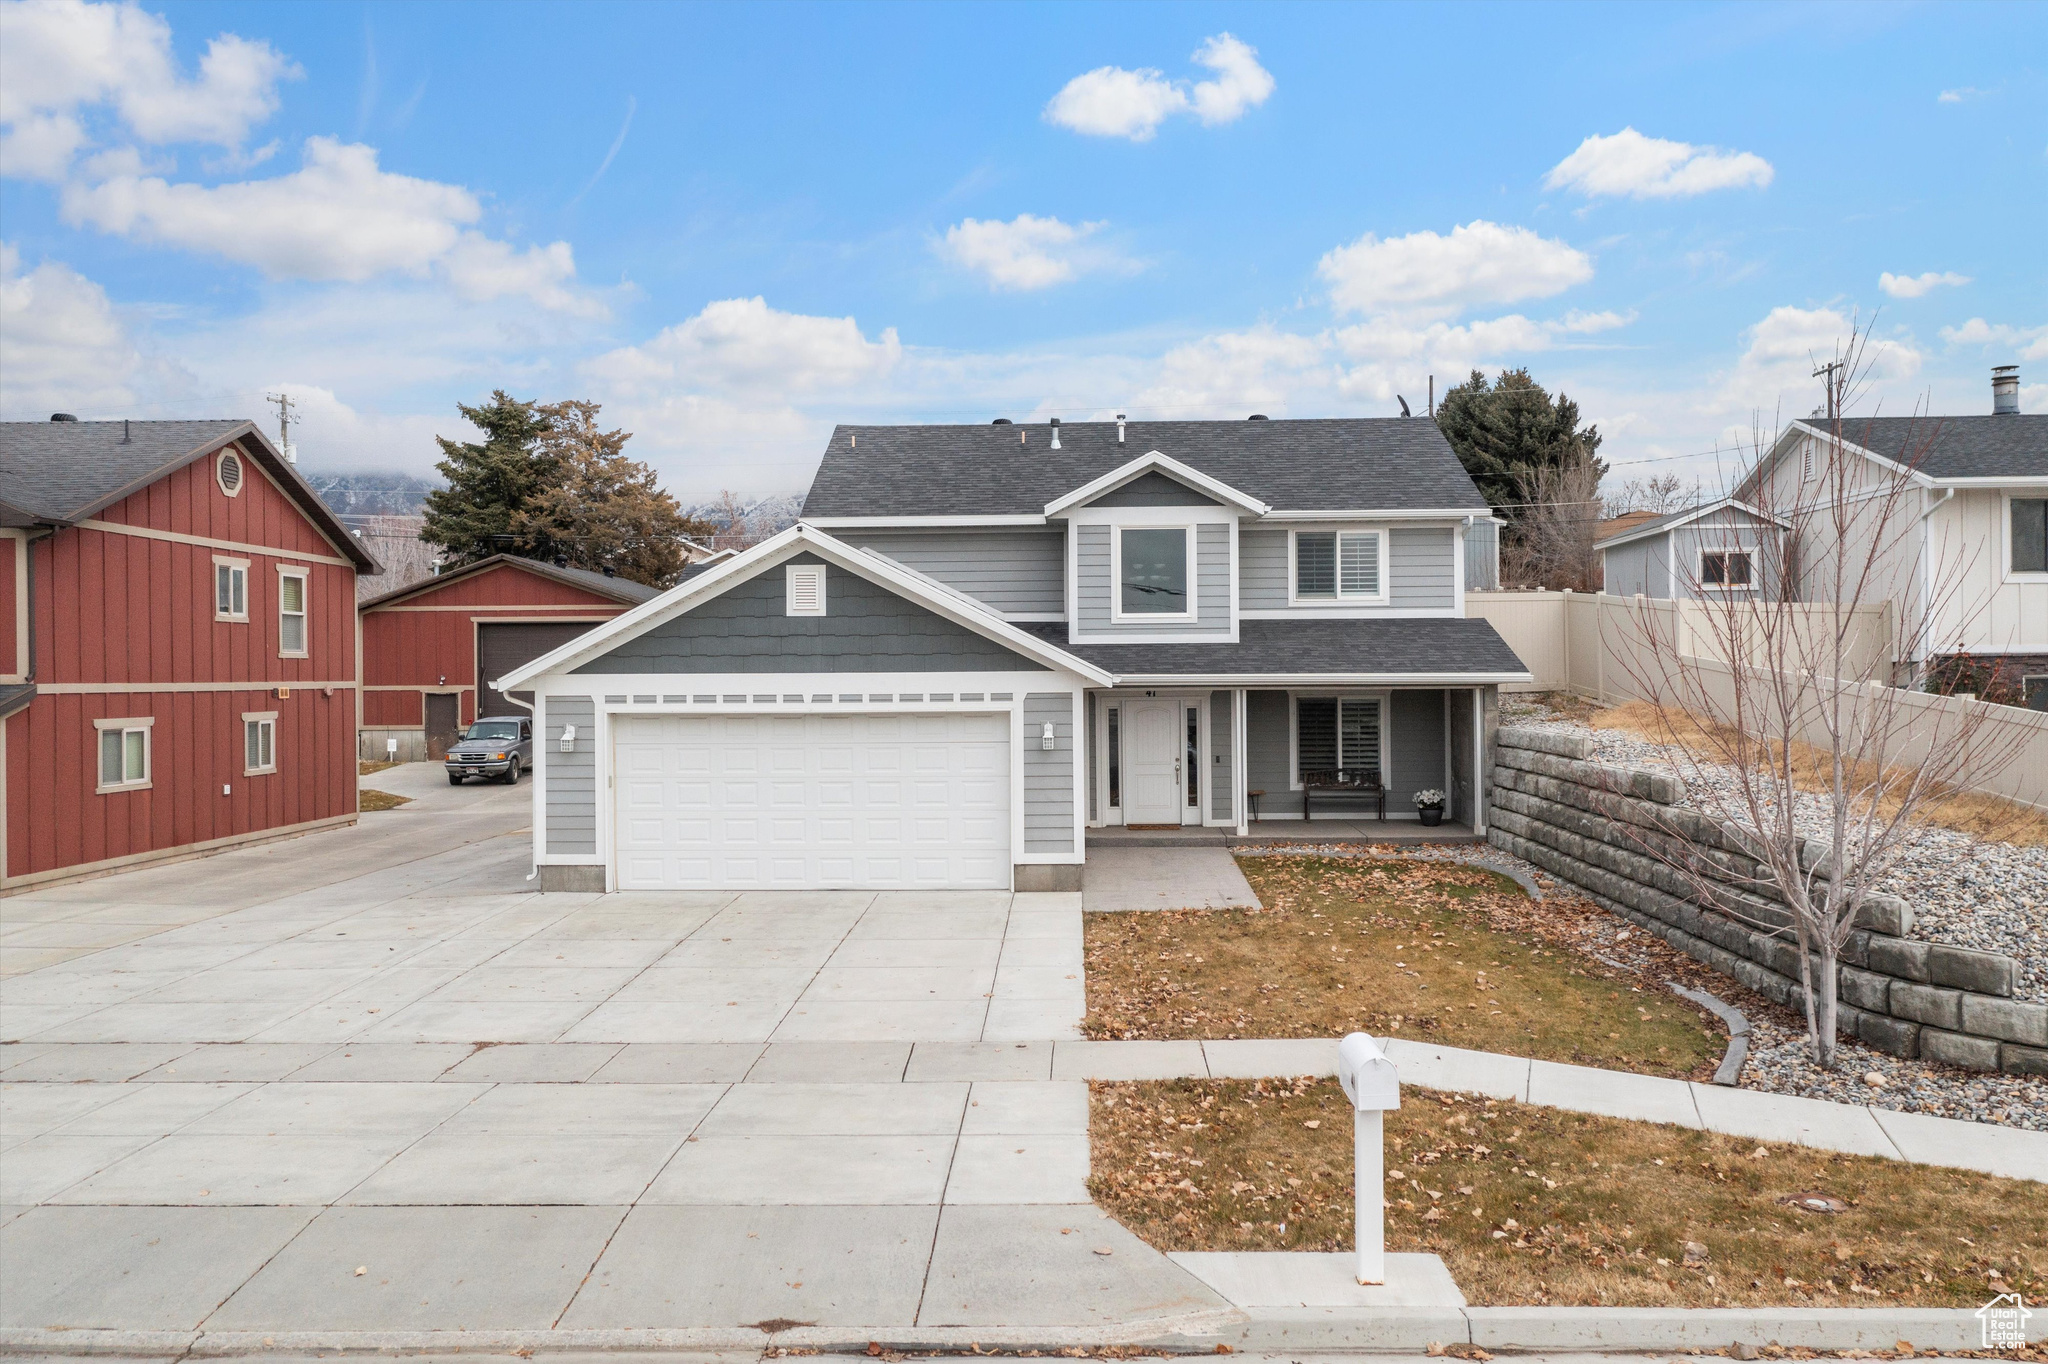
(1046, 740)
(568, 738)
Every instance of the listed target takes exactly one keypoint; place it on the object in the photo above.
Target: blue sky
(735, 226)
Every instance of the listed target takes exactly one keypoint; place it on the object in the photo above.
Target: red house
(177, 624)
(430, 649)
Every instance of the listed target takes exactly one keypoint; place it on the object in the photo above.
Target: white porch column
(1479, 760)
(1239, 781)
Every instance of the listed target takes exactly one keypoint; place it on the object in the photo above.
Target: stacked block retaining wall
(1614, 833)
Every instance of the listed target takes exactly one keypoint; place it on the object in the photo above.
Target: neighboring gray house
(981, 642)
(1720, 548)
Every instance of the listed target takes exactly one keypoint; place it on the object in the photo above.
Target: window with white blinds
(1338, 565)
(1331, 733)
(291, 615)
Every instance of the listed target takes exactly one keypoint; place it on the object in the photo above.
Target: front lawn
(1531, 1205)
(1402, 948)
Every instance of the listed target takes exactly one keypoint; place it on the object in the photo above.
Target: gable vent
(229, 472)
(806, 590)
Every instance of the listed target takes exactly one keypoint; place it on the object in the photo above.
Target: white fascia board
(1214, 680)
(919, 522)
(1154, 461)
(1447, 515)
(2028, 481)
(1875, 458)
(962, 610)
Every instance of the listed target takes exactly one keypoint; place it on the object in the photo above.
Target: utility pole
(1829, 370)
(284, 424)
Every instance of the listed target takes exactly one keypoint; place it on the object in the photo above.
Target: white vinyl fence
(1594, 645)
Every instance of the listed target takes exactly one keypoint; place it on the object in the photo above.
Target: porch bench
(1336, 784)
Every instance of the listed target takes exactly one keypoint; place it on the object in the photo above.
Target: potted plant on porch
(1429, 805)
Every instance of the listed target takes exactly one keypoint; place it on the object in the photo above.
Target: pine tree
(603, 510)
(490, 484)
(1512, 432)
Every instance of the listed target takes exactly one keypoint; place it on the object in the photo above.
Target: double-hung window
(230, 589)
(291, 613)
(2029, 534)
(1152, 571)
(124, 753)
(259, 742)
(1340, 565)
(1338, 734)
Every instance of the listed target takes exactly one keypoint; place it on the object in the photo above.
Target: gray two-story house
(981, 642)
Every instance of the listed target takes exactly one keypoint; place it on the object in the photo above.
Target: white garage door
(813, 801)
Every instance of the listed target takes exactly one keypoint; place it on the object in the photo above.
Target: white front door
(801, 802)
(1153, 790)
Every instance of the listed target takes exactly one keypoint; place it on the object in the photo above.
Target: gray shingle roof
(66, 471)
(2014, 445)
(1334, 464)
(623, 590)
(1267, 648)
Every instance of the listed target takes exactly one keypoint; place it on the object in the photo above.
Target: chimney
(2005, 390)
(1055, 433)
(1119, 428)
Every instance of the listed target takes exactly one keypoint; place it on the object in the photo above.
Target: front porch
(1405, 832)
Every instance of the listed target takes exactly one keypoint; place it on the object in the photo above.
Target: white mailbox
(1373, 1086)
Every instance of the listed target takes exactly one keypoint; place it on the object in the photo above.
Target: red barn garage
(431, 649)
(177, 608)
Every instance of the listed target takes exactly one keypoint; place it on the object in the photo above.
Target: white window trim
(1294, 698)
(221, 561)
(305, 575)
(1700, 569)
(259, 717)
(1117, 613)
(790, 574)
(145, 723)
(1343, 598)
(220, 458)
(2011, 574)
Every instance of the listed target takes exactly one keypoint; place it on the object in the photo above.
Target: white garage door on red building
(804, 802)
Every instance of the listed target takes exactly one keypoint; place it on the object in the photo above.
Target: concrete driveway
(369, 1081)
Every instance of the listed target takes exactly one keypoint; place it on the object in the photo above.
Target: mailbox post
(1372, 1085)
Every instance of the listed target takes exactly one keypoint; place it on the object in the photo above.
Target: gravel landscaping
(1964, 891)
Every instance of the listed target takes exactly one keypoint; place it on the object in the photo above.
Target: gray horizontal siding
(1415, 747)
(571, 777)
(1637, 567)
(1415, 751)
(1093, 588)
(866, 628)
(1221, 747)
(1049, 774)
(1018, 571)
(1422, 567)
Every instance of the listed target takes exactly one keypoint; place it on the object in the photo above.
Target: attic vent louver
(228, 472)
(806, 590)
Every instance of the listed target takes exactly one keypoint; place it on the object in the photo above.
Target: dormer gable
(1156, 480)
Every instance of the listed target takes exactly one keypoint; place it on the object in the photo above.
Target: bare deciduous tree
(1552, 543)
(1785, 724)
(1660, 495)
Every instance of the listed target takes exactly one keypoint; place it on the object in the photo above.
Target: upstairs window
(124, 753)
(1153, 571)
(1334, 565)
(1725, 570)
(2030, 535)
(230, 589)
(291, 614)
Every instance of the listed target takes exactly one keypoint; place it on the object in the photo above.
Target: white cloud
(2031, 343)
(62, 349)
(1958, 95)
(1480, 262)
(1111, 101)
(1775, 371)
(62, 60)
(339, 217)
(1028, 252)
(742, 343)
(1915, 286)
(1640, 167)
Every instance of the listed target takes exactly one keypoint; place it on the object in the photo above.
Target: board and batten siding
(1422, 568)
(866, 628)
(571, 809)
(1019, 572)
(1049, 773)
(1638, 568)
(1093, 588)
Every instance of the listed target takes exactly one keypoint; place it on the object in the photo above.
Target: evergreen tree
(490, 484)
(603, 510)
(1511, 433)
